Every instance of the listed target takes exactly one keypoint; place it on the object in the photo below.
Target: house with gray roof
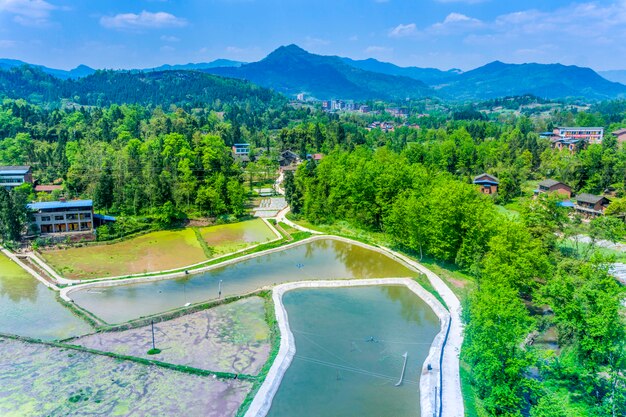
(554, 186)
(590, 204)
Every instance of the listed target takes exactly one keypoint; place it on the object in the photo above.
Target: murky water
(322, 259)
(349, 347)
(29, 308)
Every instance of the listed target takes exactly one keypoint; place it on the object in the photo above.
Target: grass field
(156, 251)
(228, 238)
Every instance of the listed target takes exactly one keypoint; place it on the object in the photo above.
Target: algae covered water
(320, 259)
(29, 308)
(349, 347)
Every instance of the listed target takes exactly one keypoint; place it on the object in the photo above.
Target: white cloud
(378, 51)
(312, 42)
(402, 31)
(143, 20)
(28, 12)
(167, 48)
(463, 1)
(166, 38)
(6, 43)
(455, 22)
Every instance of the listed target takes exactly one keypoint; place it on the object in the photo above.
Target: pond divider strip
(262, 402)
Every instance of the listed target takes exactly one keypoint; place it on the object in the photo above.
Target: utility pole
(153, 346)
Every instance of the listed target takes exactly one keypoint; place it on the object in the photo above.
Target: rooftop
(619, 132)
(580, 128)
(551, 183)
(12, 170)
(488, 177)
(589, 198)
(48, 205)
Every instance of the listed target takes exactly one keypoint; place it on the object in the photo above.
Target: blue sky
(429, 33)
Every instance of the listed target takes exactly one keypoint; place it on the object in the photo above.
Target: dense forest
(155, 149)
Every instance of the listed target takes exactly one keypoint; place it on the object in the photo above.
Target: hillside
(430, 76)
(108, 87)
(79, 71)
(552, 81)
(292, 70)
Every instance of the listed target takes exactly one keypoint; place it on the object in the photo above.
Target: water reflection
(321, 259)
(18, 288)
(349, 347)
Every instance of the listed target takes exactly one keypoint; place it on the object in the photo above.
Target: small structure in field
(590, 204)
(488, 183)
(553, 186)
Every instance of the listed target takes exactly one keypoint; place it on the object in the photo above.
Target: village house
(550, 186)
(488, 183)
(14, 176)
(241, 152)
(315, 157)
(62, 216)
(287, 158)
(591, 205)
(620, 135)
(47, 188)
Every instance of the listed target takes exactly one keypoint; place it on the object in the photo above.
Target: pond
(350, 344)
(29, 308)
(320, 259)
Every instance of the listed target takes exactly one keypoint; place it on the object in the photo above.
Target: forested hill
(553, 81)
(292, 70)
(104, 88)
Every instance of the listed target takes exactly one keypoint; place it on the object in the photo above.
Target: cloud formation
(143, 20)
(402, 31)
(28, 12)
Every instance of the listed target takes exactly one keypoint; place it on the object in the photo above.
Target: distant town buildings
(62, 216)
(14, 176)
(300, 97)
(488, 183)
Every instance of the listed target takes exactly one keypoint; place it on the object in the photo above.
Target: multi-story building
(62, 216)
(14, 176)
(588, 134)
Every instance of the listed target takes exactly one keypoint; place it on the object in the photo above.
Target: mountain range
(292, 70)
(83, 70)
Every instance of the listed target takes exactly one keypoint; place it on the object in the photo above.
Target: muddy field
(37, 380)
(229, 338)
(156, 251)
(148, 253)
